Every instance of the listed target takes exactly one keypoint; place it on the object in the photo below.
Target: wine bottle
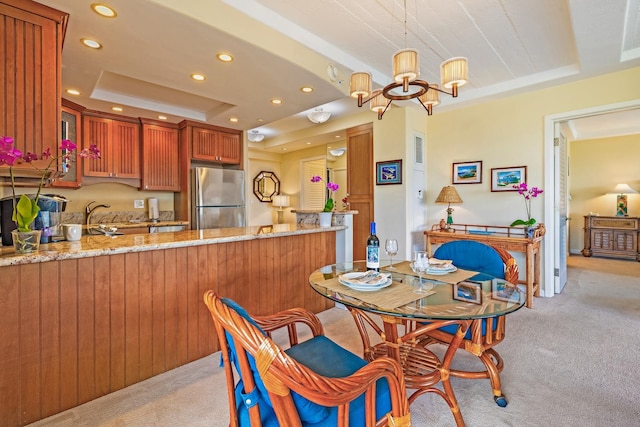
(373, 249)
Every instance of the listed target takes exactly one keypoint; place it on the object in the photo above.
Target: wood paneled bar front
(83, 319)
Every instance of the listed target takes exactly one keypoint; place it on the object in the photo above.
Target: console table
(611, 236)
(511, 239)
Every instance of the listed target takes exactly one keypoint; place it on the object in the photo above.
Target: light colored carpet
(572, 360)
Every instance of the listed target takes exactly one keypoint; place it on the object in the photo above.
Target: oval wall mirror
(265, 186)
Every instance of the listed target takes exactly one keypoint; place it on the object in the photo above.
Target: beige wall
(508, 132)
(596, 167)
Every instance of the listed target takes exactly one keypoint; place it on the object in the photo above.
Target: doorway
(554, 254)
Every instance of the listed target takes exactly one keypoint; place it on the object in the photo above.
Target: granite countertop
(97, 245)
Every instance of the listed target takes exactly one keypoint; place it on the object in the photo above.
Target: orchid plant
(528, 194)
(332, 187)
(26, 209)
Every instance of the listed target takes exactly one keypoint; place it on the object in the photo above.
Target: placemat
(394, 296)
(456, 277)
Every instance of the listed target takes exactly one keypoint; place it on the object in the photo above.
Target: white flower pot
(324, 219)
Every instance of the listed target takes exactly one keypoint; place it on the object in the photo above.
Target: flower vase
(25, 242)
(324, 219)
(530, 231)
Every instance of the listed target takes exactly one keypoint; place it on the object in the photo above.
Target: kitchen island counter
(96, 245)
(83, 319)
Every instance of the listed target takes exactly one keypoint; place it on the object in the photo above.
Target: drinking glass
(419, 265)
(391, 248)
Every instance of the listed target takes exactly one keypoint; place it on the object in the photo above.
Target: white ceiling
(152, 47)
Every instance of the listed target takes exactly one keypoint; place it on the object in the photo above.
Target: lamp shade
(448, 194)
(360, 84)
(622, 189)
(406, 65)
(432, 96)
(454, 72)
(280, 200)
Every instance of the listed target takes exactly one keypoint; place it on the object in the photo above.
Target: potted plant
(324, 217)
(528, 194)
(25, 209)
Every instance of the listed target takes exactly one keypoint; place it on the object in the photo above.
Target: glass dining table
(398, 316)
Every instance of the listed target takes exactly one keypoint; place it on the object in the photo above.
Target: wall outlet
(138, 204)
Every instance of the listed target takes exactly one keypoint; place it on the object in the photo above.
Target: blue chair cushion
(328, 359)
(474, 256)
(310, 413)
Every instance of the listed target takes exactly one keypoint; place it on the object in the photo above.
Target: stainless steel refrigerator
(217, 197)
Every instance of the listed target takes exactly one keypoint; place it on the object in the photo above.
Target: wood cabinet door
(97, 130)
(125, 149)
(204, 144)
(160, 167)
(71, 130)
(360, 184)
(30, 69)
(216, 146)
(228, 148)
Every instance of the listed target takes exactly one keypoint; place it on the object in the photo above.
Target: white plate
(352, 279)
(366, 288)
(441, 271)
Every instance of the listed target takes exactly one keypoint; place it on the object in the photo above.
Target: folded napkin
(371, 277)
(435, 262)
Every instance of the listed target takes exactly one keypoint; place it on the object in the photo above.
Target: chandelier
(406, 84)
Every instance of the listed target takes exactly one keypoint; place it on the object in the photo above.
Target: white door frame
(550, 209)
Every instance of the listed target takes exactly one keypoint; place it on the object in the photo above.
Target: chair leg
(493, 371)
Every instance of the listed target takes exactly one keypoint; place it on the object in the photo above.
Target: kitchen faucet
(89, 211)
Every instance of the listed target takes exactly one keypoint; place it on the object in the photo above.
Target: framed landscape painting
(503, 179)
(467, 173)
(389, 172)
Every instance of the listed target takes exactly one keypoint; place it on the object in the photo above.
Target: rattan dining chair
(483, 334)
(311, 383)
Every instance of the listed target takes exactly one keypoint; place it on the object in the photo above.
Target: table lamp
(280, 201)
(621, 200)
(448, 195)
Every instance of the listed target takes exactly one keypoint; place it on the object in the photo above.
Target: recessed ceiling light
(91, 43)
(338, 136)
(233, 119)
(276, 101)
(283, 149)
(308, 143)
(198, 77)
(306, 89)
(104, 10)
(73, 91)
(116, 108)
(162, 117)
(224, 57)
(260, 119)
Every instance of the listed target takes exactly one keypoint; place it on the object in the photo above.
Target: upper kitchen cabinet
(71, 129)
(214, 144)
(30, 70)
(160, 156)
(118, 139)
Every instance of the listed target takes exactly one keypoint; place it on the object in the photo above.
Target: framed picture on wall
(467, 173)
(389, 172)
(503, 179)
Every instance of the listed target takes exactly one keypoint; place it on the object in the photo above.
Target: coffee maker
(48, 219)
